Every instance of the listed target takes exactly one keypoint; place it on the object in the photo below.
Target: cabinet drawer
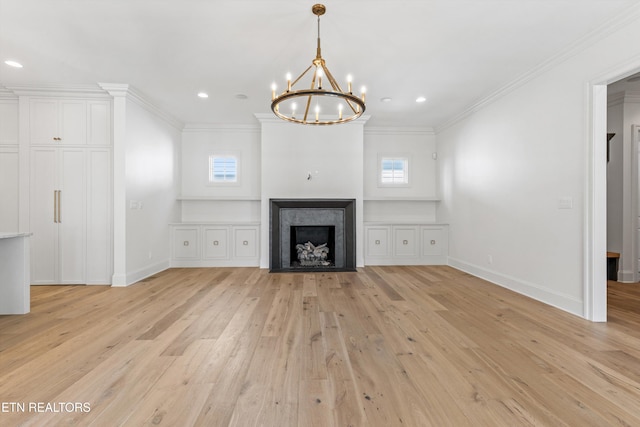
(216, 243)
(185, 243)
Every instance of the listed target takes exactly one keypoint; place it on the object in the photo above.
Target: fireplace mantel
(336, 213)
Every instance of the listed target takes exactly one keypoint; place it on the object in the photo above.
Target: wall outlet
(565, 202)
(490, 259)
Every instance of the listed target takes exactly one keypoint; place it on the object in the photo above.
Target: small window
(394, 171)
(223, 169)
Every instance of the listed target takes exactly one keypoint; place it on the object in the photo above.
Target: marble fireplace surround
(287, 213)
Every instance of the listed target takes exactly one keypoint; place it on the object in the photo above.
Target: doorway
(595, 301)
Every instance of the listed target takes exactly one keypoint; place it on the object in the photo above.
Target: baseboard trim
(143, 273)
(561, 301)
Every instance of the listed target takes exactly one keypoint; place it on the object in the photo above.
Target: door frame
(595, 268)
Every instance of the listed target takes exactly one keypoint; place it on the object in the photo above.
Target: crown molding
(614, 24)
(620, 98)
(615, 99)
(59, 90)
(425, 131)
(115, 89)
(217, 127)
(632, 96)
(130, 93)
(271, 118)
(6, 94)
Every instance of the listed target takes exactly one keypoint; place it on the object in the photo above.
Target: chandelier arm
(313, 85)
(334, 83)
(336, 86)
(301, 75)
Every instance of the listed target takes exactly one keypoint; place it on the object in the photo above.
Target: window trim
(223, 154)
(394, 156)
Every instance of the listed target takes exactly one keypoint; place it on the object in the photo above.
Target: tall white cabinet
(70, 190)
(9, 161)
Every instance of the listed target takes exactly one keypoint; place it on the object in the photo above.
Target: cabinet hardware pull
(377, 242)
(215, 243)
(245, 243)
(405, 242)
(186, 243)
(59, 206)
(55, 206)
(433, 242)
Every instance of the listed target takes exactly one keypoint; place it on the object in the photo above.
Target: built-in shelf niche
(220, 209)
(400, 210)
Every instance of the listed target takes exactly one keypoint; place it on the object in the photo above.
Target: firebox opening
(312, 246)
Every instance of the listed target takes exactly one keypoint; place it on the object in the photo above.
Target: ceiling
(453, 52)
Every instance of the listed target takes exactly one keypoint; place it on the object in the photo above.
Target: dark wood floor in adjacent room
(384, 346)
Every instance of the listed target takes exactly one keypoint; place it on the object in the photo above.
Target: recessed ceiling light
(203, 95)
(385, 99)
(13, 64)
(421, 99)
(241, 96)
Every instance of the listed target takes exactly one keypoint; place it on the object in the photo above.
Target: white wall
(9, 161)
(198, 143)
(507, 168)
(401, 204)
(152, 186)
(332, 155)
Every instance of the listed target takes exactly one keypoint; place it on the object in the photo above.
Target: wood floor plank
(382, 346)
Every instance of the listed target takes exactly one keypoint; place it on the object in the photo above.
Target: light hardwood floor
(384, 346)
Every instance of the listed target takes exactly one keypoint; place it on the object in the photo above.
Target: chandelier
(330, 105)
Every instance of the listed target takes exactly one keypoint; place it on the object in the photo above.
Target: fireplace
(312, 235)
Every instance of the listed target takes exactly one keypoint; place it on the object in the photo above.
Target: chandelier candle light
(335, 105)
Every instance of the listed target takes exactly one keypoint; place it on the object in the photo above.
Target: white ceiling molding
(59, 90)
(214, 127)
(121, 89)
(398, 131)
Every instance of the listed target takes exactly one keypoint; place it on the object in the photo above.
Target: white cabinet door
(71, 215)
(72, 116)
(44, 214)
(58, 216)
(405, 241)
(69, 121)
(377, 244)
(43, 121)
(99, 123)
(245, 242)
(185, 243)
(434, 241)
(9, 183)
(54, 121)
(216, 242)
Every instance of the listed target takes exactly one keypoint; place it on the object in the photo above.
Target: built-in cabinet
(9, 165)
(215, 245)
(405, 244)
(69, 121)
(70, 191)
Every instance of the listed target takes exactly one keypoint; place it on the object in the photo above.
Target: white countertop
(12, 234)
